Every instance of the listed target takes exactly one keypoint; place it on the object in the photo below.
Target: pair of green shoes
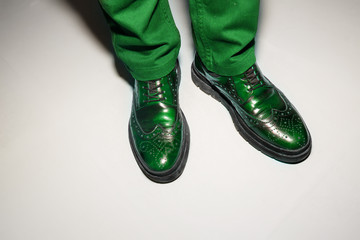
(159, 134)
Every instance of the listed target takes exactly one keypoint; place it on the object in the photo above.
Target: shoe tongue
(156, 114)
(153, 87)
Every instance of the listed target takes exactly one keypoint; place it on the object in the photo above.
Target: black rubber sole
(282, 155)
(173, 173)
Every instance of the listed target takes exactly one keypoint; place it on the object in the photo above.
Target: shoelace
(252, 77)
(155, 92)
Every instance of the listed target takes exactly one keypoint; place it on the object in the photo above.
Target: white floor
(66, 167)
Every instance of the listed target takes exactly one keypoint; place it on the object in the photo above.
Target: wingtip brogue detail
(158, 131)
(260, 112)
(158, 149)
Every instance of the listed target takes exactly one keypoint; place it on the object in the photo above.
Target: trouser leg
(144, 36)
(224, 33)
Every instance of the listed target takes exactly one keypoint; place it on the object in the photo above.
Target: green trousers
(146, 39)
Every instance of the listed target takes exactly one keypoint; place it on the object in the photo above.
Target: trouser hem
(243, 63)
(152, 73)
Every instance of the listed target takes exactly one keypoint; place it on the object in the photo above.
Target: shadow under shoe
(158, 131)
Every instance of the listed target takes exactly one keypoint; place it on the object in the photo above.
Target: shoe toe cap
(160, 154)
(288, 132)
(160, 149)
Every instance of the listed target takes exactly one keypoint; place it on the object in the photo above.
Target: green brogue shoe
(158, 131)
(261, 112)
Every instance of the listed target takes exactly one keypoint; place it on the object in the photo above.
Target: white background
(66, 167)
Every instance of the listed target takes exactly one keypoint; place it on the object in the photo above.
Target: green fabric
(146, 39)
(224, 34)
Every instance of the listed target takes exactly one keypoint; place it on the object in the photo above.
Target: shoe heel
(200, 83)
(205, 87)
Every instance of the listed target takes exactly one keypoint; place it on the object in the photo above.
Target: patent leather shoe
(158, 132)
(261, 113)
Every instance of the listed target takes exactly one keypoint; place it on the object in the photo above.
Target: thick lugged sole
(173, 173)
(280, 154)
